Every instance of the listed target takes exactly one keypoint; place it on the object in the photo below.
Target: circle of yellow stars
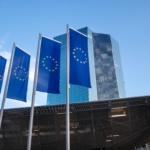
(20, 67)
(53, 59)
(74, 53)
(0, 77)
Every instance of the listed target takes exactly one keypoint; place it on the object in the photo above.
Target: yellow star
(0, 76)
(23, 79)
(42, 61)
(85, 58)
(47, 56)
(17, 77)
(46, 68)
(44, 58)
(52, 70)
(84, 62)
(25, 72)
(14, 70)
(85, 54)
(18, 66)
(55, 61)
(50, 56)
(43, 64)
(49, 70)
(21, 66)
(15, 74)
(77, 59)
(76, 47)
(15, 67)
(0, 79)
(74, 56)
(79, 48)
(20, 79)
(82, 51)
(81, 62)
(55, 67)
(73, 52)
(56, 64)
(24, 69)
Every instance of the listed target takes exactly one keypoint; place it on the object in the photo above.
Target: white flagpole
(6, 86)
(67, 96)
(33, 96)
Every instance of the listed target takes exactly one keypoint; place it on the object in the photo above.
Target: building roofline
(96, 101)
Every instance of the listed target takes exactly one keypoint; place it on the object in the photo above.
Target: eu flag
(79, 62)
(18, 82)
(2, 70)
(49, 66)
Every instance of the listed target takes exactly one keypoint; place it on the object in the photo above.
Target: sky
(128, 21)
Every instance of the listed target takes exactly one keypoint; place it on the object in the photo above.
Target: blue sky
(128, 21)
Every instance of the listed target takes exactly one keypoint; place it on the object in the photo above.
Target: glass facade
(118, 67)
(76, 93)
(109, 76)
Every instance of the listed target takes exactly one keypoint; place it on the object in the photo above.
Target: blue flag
(49, 66)
(18, 82)
(2, 70)
(79, 62)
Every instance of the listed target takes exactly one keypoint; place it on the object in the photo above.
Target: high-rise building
(105, 71)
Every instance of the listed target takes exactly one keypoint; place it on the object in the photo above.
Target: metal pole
(111, 125)
(129, 118)
(6, 86)
(93, 129)
(33, 96)
(67, 96)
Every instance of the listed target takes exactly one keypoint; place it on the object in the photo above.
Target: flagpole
(6, 86)
(33, 96)
(67, 96)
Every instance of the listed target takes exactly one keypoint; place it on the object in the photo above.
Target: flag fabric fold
(49, 66)
(2, 70)
(79, 61)
(18, 82)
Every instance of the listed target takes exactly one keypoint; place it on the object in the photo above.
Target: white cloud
(5, 54)
(11, 103)
(32, 69)
(24, 104)
(0, 46)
